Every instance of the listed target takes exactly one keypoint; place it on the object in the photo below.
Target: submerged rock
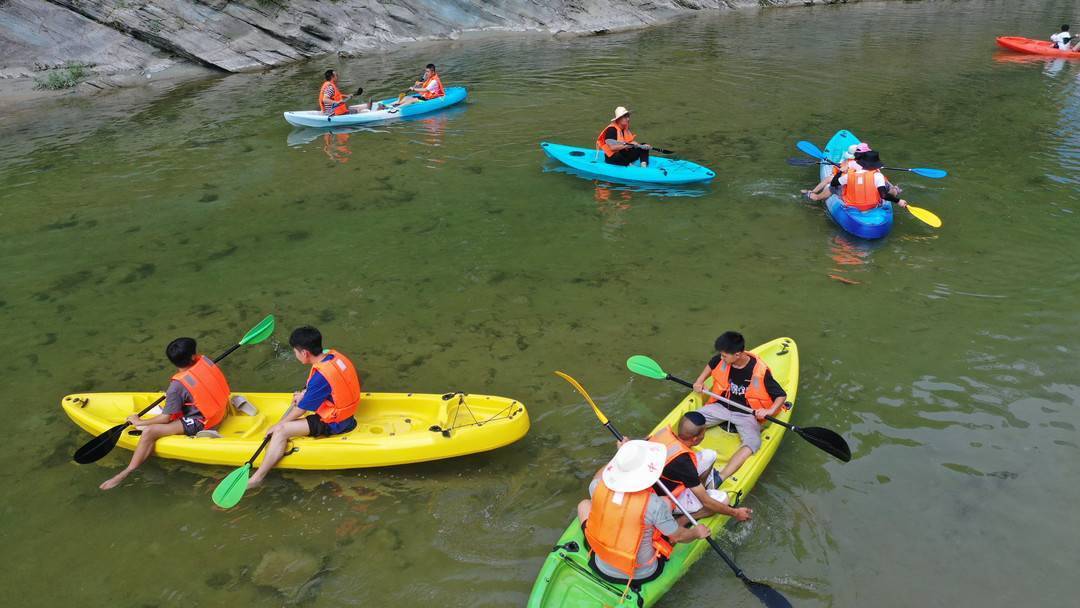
(287, 571)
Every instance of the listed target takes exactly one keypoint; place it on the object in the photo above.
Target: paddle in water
(230, 490)
(768, 596)
(99, 446)
(923, 215)
(824, 439)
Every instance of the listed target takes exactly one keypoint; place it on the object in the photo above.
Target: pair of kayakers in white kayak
(631, 527)
(858, 181)
(197, 400)
(333, 103)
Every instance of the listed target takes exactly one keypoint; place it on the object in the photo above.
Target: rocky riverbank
(51, 47)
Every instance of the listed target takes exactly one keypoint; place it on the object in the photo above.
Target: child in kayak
(822, 191)
(330, 398)
(745, 379)
(1061, 39)
(430, 88)
(197, 398)
(333, 103)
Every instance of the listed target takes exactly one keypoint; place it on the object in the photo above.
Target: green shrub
(61, 78)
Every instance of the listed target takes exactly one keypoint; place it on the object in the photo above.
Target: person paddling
(745, 379)
(617, 142)
(430, 88)
(332, 393)
(196, 399)
(864, 187)
(630, 529)
(822, 191)
(332, 102)
(1062, 39)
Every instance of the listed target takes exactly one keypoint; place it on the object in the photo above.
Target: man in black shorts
(325, 407)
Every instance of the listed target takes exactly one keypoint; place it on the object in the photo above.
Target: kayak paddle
(812, 150)
(823, 439)
(924, 215)
(655, 149)
(101, 445)
(769, 596)
(230, 490)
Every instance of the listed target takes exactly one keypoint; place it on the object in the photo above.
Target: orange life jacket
(756, 395)
(208, 387)
(860, 191)
(439, 91)
(623, 136)
(341, 108)
(675, 448)
(344, 387)
(616, 525)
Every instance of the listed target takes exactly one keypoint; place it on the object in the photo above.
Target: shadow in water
(649, 189)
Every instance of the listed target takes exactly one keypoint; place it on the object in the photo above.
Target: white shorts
(746, 424)
(692, 504)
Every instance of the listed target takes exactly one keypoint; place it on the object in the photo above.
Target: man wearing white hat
(626, 523)
(617, 142)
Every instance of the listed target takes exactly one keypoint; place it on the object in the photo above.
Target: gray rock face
(35, 35)
(241, 35)
(124, 40)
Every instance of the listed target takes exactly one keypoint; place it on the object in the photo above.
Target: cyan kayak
(316, 119)
(871, 224)
(660, 170)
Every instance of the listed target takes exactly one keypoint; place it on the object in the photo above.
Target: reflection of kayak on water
(305, 135)
(316, 119)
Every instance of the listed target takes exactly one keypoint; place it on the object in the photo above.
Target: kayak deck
(316, 119)
(566, 579)
(870, 224)
(1034, 47)
(659, 171)
(392, 429)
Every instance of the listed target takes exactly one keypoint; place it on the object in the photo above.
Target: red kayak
(1034, 47)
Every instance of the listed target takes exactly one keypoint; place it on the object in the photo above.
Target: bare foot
(254, 483)
(804, 192)
(114, 481)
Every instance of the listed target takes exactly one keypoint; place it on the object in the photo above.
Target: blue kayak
(871, 224)
(315, 118)
(659, 171)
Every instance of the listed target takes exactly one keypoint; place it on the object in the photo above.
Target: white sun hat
(637, 466)
(619, 113)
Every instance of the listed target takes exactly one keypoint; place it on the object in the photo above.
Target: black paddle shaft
(824, 439)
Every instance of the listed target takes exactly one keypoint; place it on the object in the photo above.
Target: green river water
(444, 254)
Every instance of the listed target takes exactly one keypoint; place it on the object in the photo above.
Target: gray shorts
(747, 425)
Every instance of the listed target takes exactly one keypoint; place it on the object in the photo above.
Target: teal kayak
(318, 120)
(660, 170)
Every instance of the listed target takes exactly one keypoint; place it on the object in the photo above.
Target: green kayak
(567, 581)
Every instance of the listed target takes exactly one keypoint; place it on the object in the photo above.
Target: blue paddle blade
(931, 173)
(809, 148)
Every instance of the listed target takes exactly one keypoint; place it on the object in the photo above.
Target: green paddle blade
(644, 366)
(231, 489)
(260, 332)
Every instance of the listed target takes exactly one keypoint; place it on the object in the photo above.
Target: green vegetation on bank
(62, 78)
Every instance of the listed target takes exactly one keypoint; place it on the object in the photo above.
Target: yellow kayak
(392, 429)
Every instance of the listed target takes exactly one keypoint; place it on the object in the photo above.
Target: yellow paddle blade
(584, 393)
(925, 216)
